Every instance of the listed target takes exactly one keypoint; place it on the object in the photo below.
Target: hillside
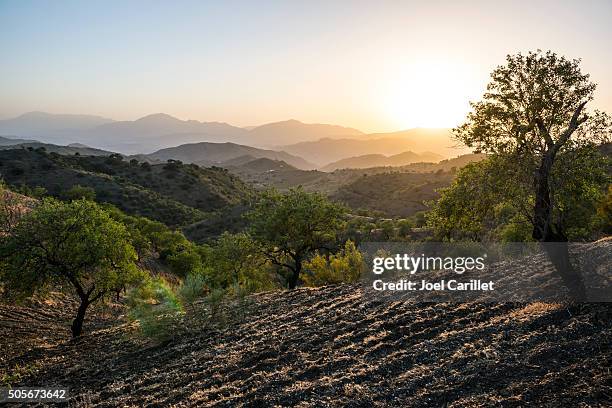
(72, 149)
(209, 154)
(395, 194)
(171, 193)
(270, 174)
(7, 141)
(380, 160)
(329, 346)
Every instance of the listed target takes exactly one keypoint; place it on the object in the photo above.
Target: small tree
(236, 259)
(292, 226)
(73, 243)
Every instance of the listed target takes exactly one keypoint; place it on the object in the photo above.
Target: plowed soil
(328, 346)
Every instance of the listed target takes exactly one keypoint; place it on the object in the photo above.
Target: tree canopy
(533, 122)
(534, 116)
(292, 226)
(74, 244)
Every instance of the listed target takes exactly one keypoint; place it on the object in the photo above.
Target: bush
(346, 266)
(156, 307)
(78, 192)
(194, 287)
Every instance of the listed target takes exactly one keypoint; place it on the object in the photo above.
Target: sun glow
(430, 94)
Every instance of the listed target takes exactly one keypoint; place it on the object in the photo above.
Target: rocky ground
(328, 346)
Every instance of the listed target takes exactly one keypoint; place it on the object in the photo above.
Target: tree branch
(573, 125)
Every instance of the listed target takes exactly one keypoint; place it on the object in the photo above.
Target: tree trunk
(544, 232)
(542, 207)
(77, 324)
(558, 253)
(295, 276)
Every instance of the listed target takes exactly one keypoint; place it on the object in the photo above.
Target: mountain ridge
(381, 160)
(210, 153)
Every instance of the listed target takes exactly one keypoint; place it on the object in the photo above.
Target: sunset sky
(373, 65)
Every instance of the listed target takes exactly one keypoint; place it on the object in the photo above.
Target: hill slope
(7, 141)
(395, 194)
(74, 148)
(380, 160)
(208, 154)
(173, 194)
(326, 347)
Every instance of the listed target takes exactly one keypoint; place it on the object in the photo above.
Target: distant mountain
(7, 141)
(158, 131)
(209, 154)
(272, 134)
(153, 132)
(50, 127)
(380, 160)
(329, 150)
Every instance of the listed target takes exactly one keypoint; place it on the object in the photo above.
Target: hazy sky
(374, 65)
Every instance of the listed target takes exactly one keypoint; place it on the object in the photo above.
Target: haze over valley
(161, 137)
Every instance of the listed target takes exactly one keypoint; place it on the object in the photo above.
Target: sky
(373, 65)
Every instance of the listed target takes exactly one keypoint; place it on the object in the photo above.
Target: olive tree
(75, 245)
(292, 226)
(534, 114)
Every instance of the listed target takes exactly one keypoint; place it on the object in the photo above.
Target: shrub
(346, 266)
(156, 307)
(194, 287)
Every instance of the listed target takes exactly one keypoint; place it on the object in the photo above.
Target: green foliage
(185, 262)
(466, 209)
(236, 259)
(156, 307)
(194, 287)
(392, 194)
(529, 103)
(604, 210)
(493, 199)
(76, 243)
(345, 266)
(291, 226)
(78, 192)
(141, 190)
(532, 121)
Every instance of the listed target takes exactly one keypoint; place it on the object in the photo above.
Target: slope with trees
(173, 193)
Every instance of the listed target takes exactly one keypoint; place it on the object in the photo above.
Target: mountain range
(328, 150)
(158, 131)
(315, 143)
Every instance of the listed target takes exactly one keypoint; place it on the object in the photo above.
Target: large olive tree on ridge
(534, 113)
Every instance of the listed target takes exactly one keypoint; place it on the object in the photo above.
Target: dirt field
(323, 347)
